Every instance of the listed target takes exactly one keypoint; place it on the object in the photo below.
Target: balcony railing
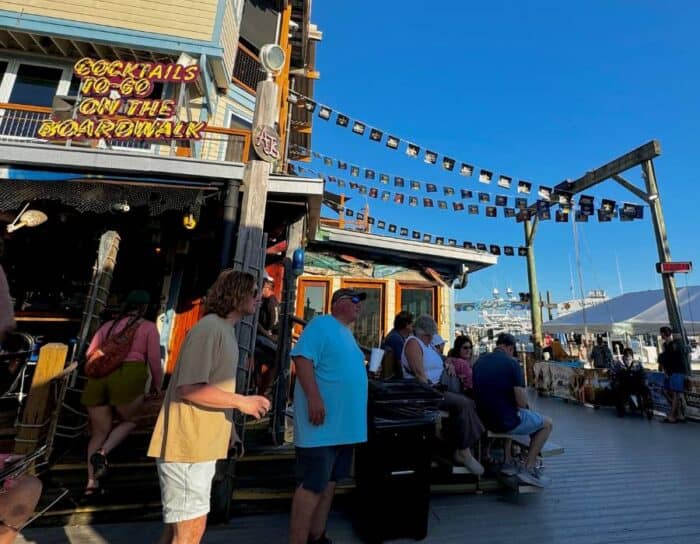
(20, 123)
(247, 72)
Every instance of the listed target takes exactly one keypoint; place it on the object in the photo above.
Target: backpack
(110, 355)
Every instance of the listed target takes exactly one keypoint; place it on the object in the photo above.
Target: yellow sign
(132, 115)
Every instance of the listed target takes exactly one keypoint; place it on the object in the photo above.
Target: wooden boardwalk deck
(620, 481)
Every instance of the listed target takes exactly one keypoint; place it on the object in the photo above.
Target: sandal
(99, 464)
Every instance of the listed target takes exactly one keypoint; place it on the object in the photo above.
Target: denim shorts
(185, 489)
(675, 383)
(530, 422)
(317, 467)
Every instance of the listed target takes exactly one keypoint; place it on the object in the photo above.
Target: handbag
(450, 382)
(110, 355)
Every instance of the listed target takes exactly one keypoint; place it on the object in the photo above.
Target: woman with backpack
(117, 371)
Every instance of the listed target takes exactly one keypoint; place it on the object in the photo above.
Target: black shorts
(317, 467)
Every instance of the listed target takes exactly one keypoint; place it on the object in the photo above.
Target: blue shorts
(317, 467)
(530, 422)
(675, 383)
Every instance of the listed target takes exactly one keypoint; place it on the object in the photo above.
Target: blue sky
(538, 91)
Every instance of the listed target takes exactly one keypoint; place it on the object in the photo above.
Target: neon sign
(115, 103)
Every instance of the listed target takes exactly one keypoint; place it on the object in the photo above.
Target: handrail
(24, 107)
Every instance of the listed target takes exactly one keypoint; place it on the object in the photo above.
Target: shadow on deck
(621, 481)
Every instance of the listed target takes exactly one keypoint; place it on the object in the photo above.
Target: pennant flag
(448, 164)
(464, 193)
(501, 200)
(431, 187)
(494, 250)
(342, 120)
(354, 171)
(413, 201)
(415, 185)
(457, 206)
(452, 242)
(369, 174)
(342, 165)
(386, 195)
(358, 128)
(427, 202)
(604, 216)
(448, 191)
(354, 185)
(415, 235)
(310, 105)
(330, 178)
(586, 208)
(524, 187)
(349, 212)
(341, 183)
(426, 238)
(491, 211)
(399, 181)
(381, 224)
(468, 245)
(607, 205)
(384, 178)
(392, 228)
(522, 251)
(508, 212)
(373, 192)
(363, 189)
(370, 220)
(327, 161)
(360, 216)
(480, 246)
(316, 154)
(581, 217)
(485, 176)
(561, 217)
(473, 209)
(412, 150)
(484, 197)
(375, 135)
(392, 142)
(325, 113)
(430, 157)
(564, 198)
(545, 193)
(398, 198)
(403, 231)
(442, 204)
(586, 199)
(466, 169)
(505, 182)
(508, 250)
(523, 215)
(440, 240)
(639, 212)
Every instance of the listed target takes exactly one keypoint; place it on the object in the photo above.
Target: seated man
(18, 499)
(501, 400)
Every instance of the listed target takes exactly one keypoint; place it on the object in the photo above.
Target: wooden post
(535, 316)
(39, 405)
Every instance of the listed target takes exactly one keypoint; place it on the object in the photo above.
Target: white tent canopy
(632, 313)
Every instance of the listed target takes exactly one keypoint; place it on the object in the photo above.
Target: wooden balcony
(20, 123)
(247, 72)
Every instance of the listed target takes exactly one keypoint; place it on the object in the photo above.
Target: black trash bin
(392, 470)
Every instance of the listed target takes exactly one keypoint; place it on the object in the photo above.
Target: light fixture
(121, 207)
(272, 58)
(27, 218)
(189, 221)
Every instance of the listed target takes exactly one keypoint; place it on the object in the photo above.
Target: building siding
(180, 18)
(230, 32)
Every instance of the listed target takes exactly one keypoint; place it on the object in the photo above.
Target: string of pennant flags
(558, 193)
(520, 210)
(405, 232)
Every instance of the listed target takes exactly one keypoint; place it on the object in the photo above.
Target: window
(313, 298)
(35, 85)
(417, 298)
(369, 327)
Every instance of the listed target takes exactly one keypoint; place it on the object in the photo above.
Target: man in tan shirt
(195, 423)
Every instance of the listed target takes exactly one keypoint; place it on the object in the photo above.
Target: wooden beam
(23, 42)
(3, 39)
(37, 41)
(115, 50)
(627, 185)
(79, 48)
(62, 45)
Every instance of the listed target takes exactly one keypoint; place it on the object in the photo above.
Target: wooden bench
(550, 448)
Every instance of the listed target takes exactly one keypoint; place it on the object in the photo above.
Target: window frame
(418, 285)
(312, 281)
(359, 284)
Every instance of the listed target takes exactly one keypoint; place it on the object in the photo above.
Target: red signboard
(674, 268)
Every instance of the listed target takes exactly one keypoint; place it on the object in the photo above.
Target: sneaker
(510, 468)
(471, 464)
(533, 476)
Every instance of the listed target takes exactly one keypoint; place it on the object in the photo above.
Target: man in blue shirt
(501, 400)
(393, 344)
(330, 412)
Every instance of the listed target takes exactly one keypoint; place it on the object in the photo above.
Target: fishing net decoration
(98, 197)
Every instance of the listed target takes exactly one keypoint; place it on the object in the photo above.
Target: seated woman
(18, 500)
(461, 358)
(420, 361)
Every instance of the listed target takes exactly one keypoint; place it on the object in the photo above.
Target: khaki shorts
(185, 489)
(121, 387)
